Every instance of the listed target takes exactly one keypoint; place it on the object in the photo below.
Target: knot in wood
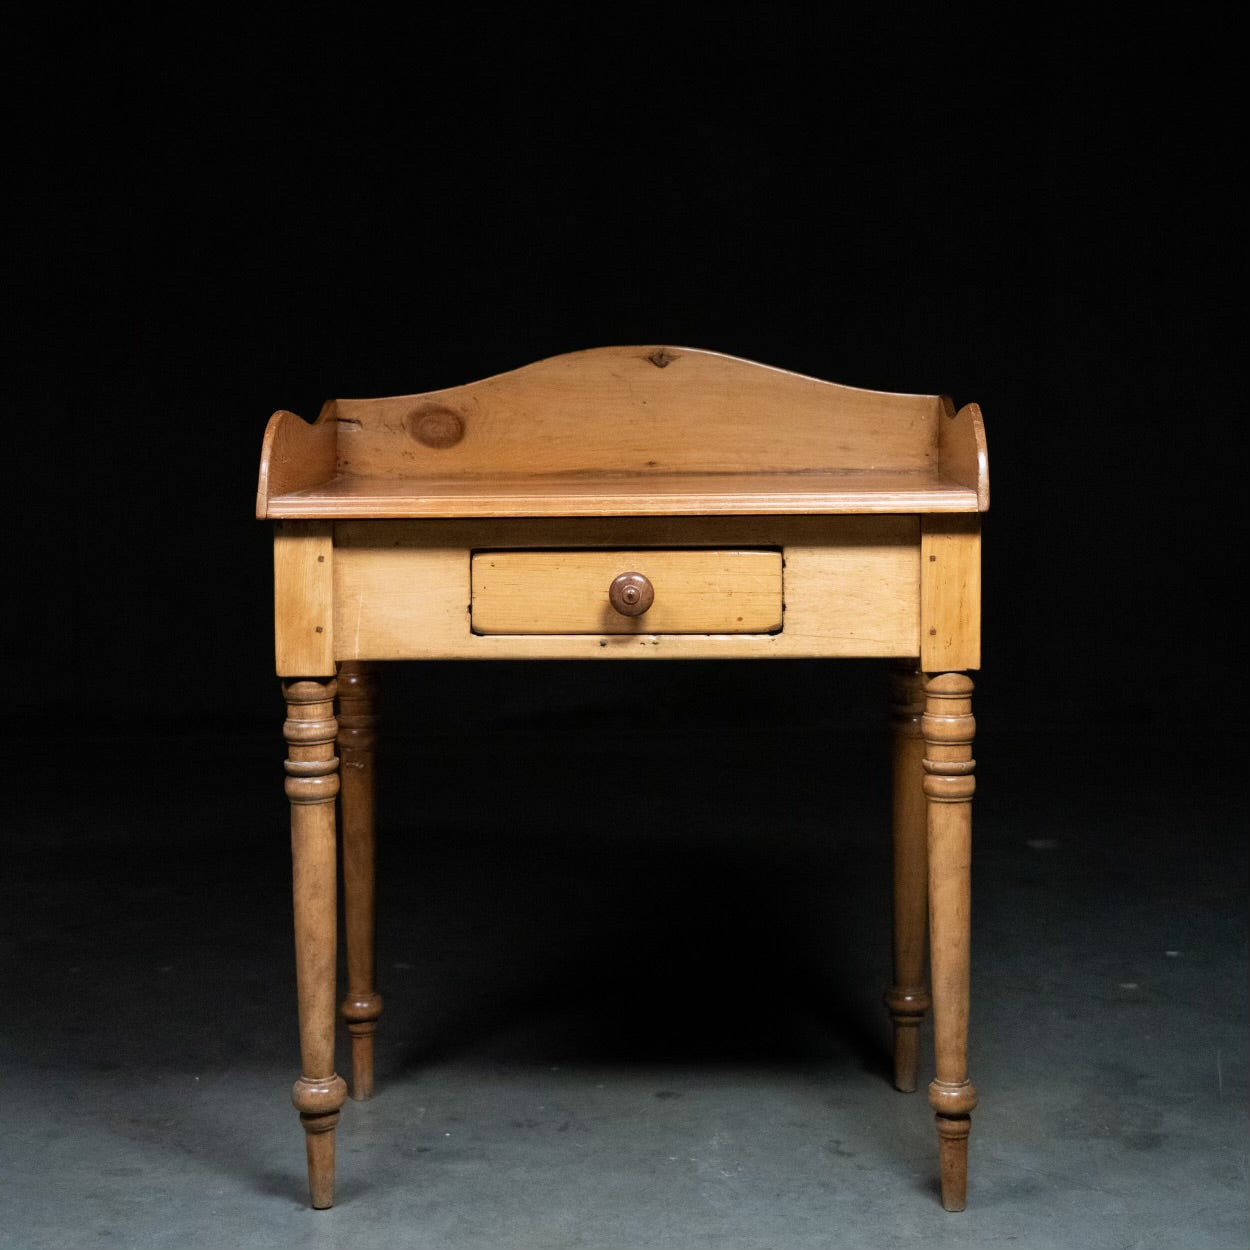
(435, 426)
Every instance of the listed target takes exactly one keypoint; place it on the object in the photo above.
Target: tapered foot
(361, 1013)
(906, 1056)
(953, 1150)
(320, 1142)
(907, 1013)
(318, 1103)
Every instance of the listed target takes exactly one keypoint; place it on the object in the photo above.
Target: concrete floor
(656, 1030)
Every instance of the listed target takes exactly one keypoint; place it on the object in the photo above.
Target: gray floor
(626, 1025)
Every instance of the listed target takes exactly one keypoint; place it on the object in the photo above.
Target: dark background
(211, 219)
(218, 221)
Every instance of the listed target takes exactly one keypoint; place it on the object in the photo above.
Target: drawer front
(721, 591)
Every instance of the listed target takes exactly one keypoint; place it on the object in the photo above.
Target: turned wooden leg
(357, 726)
(948, 729)
(311, 785)
(908, 997)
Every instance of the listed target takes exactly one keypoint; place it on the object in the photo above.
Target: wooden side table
(614, 504)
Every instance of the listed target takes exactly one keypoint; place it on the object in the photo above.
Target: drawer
(701, 591)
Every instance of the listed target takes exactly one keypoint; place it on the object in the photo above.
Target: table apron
(402, 589)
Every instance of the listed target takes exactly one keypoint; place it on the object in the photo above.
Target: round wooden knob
(631, 594)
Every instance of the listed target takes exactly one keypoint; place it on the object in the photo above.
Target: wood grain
(566, 592)
(312, 783)
(402, 588)
(362, 1005)
(616, 409)
(789, 494)
(486, 521)
(948, 727)
(295, 455)
(628, 431)
(303, 590)
(908, 996)
(962, 453)
(950, 592)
